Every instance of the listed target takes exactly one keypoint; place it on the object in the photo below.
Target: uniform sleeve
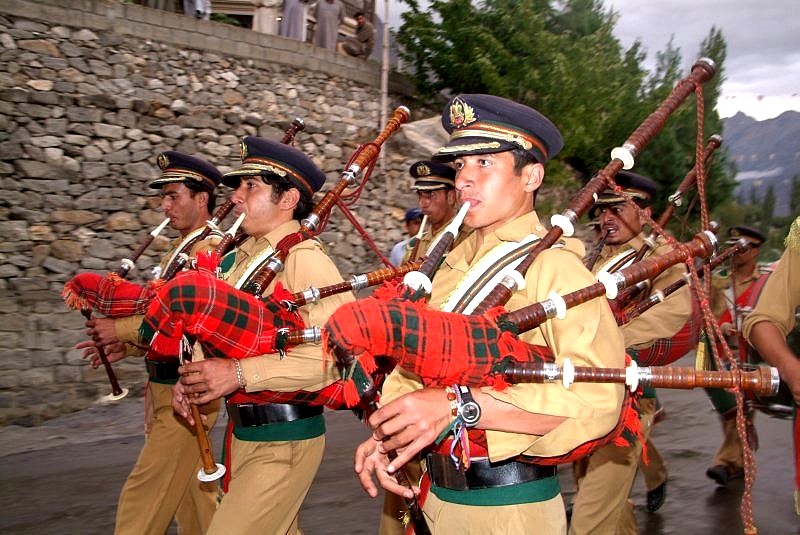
(665, 319)
(588, 336)
(304, 367)
(780, 297)
(127, 328)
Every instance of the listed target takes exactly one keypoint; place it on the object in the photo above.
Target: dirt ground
(65, 476)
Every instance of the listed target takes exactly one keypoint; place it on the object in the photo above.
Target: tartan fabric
(442, 348)
(227, 322)
(667, 350)
(109, 295)
(332, 396)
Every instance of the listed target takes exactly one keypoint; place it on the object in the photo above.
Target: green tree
(562, 59)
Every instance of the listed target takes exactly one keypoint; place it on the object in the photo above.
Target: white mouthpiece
(236, 224)
(156, 231)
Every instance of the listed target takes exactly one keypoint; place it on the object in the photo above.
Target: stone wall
(90, 92)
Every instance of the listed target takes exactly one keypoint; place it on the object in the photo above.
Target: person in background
(729, 295)
(412, 221)
(329, 14)
(265, 16)
(434, 183)
(362, 44)
(199, 9)
(293, 20)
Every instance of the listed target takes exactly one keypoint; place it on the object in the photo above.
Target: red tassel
(388, 290)
(72, 297)
(168, 345)
(351, 397)
(208, 261)
(367, 361)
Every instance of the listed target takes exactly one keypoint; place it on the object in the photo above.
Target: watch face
(470, 412)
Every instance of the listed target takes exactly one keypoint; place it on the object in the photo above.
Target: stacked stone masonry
(90, 92)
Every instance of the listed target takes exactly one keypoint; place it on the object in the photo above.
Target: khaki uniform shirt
(589, 336)
(427, 239)
(303, 367)
(665, 319)
(725, 290)
(780, 297)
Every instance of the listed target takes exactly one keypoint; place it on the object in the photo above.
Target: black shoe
(723, 474)
(656, 497)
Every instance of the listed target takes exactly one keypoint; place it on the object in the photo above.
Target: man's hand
(102, 331)
(371, 463)
(114, 352)
(409, 424)
(208, 380)
(180, 403)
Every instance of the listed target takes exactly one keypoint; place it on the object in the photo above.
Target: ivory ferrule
(126, 264)
(612, 282)
(560, 305)
(567, 373)
(565, 221)
(676, 199)
(626, 154)
(632, 376)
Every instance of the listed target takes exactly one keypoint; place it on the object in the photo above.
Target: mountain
(766, 153)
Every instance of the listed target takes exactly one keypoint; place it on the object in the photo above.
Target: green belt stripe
(302, 429)
(539, 490)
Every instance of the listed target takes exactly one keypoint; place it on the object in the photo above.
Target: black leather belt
(483, 474)
(164, 370)
(254, 414)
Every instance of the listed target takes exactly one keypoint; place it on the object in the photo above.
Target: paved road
(65, 476)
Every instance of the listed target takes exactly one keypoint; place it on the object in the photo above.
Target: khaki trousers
(604, 480)
(269, 481)
(446, 518)
(654, 470)
(163, 483)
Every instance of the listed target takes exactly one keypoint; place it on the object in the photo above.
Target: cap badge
(423, 170)
(461, 113)
(244, 150)
(162, 161)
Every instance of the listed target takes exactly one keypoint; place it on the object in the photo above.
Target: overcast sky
(762, 70)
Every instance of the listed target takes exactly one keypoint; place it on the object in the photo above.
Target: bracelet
(453, 399)
(239, 373)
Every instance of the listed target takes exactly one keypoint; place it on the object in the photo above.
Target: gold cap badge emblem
(461, 113)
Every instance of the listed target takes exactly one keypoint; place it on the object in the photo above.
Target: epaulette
(793, 238)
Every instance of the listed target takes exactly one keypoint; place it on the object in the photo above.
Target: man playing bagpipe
(493, 481)
(434, 183)
(772, 320)
(605, 478)
(162, 484)
(273, 448)
(730, 295)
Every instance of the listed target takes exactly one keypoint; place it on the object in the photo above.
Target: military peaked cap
(177, 167)
(752, 235)
(432, 176)
(483, 124)
(266, 157)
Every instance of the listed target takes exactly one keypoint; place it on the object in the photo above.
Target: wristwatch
(468, 408)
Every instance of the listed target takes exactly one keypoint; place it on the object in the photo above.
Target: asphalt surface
(65, 476)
